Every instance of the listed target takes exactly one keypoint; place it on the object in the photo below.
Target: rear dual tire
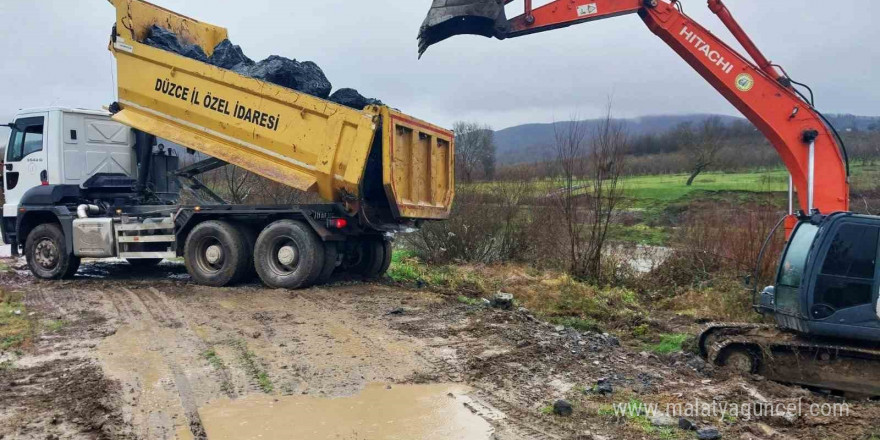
(370, 258)
(289, 255)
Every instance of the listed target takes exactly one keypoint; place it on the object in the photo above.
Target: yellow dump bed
(299, 140)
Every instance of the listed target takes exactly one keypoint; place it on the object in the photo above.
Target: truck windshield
(792, 269)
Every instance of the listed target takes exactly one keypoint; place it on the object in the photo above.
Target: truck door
(846, 286)
(26, 160)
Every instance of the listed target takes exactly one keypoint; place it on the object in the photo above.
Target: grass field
(672, 187)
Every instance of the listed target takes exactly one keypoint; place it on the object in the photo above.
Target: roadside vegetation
(621, 234)
(16, 329)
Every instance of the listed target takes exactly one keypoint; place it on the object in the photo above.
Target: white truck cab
(62, 146)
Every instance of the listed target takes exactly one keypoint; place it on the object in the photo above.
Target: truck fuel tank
(93, 237)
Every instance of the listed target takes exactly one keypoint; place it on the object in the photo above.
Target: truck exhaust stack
(448, 18)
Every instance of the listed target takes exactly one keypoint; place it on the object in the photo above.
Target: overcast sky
(55, 53)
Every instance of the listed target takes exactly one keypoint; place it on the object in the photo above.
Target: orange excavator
(825, 295)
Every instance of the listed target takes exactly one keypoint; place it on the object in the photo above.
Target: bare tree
(703, 145)
(238, 183)
(474, 150)
(589, 192)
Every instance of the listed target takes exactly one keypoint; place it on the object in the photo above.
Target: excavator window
(847, 276)
(791, 271)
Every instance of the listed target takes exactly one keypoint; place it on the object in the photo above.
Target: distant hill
(532, 142)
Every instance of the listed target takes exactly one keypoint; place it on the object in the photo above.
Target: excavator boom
(807, 145)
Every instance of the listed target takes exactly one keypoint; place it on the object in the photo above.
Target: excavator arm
(807, 145)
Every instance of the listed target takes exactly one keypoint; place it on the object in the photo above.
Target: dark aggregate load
(302, 76)
(229, 56)
(353, 99)
(164, 39)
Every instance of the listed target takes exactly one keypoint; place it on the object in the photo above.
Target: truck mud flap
(448, 18)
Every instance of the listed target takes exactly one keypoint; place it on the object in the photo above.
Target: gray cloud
(55, 53)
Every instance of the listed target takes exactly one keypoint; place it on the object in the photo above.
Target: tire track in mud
(37, 299)
(523, 421)
(150, 310)
(154, 302)
(124, 312)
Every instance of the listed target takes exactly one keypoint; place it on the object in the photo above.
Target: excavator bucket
(448, 18)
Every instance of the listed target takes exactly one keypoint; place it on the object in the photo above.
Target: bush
(489, 223)
(721, 243)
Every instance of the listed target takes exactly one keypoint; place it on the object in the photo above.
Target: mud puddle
(431, 412)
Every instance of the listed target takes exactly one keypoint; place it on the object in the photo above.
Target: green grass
(640, 233)
(469, 301)
(54, 325)
(15, 327)
(211, 356)
(404, 267)
(252, 366)
(217, 363)
(672, 187)
(669, 343)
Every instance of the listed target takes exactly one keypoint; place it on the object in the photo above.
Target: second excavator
(825, 296)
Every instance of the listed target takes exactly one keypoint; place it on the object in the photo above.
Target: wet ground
(148, 354)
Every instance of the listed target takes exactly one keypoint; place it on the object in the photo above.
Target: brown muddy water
(429, 412)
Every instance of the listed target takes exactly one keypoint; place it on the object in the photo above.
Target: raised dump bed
(380, 162)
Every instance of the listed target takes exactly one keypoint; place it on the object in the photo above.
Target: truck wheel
(386, 261)
(330, 256)
(215, 254)
(47, 255)
(289, 255)
(370, 259)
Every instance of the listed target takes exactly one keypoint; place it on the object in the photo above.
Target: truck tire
(386, 261)
(47, 254)
(330, 256)
(289, 255)
(371, 259)
(215, 254)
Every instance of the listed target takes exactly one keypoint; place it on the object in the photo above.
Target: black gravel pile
(302, 76)
(164, 39)
(353, 99)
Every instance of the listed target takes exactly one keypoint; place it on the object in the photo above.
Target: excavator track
(787, 357)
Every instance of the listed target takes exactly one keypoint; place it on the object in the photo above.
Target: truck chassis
(286, 246)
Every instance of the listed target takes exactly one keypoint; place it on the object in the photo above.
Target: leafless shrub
(717, 243)
(589, 192)
(488, 224)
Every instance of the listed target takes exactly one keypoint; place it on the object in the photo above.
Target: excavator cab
(828, 280)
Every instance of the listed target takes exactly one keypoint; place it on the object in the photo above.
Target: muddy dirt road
(151, 355)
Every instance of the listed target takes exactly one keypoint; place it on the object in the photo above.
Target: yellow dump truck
(380, 171)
